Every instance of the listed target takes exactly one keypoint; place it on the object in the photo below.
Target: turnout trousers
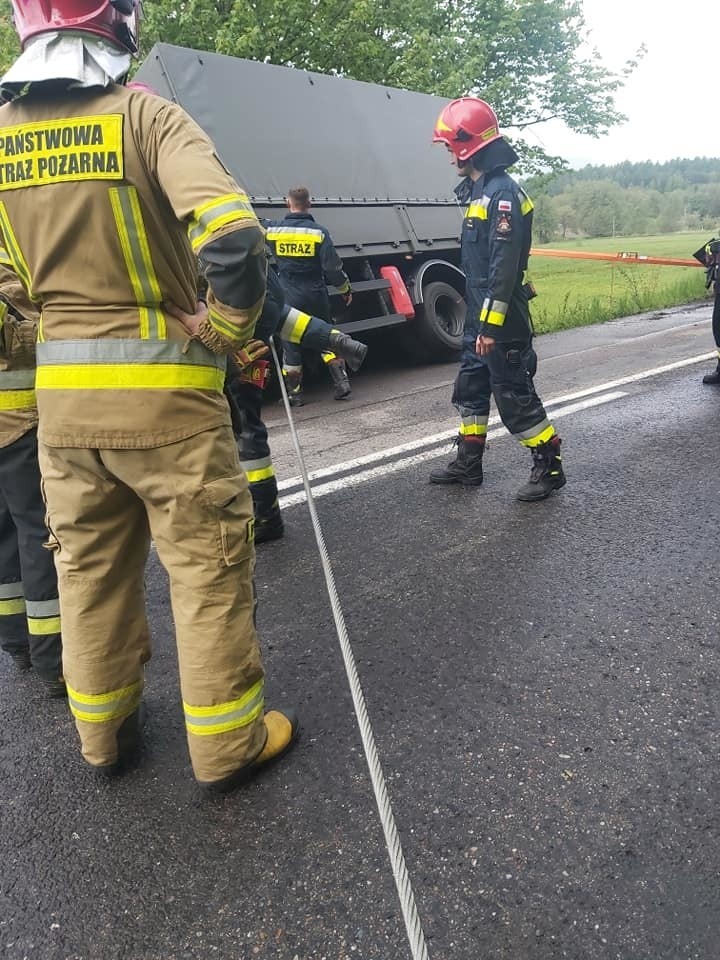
(507, 374)
(192, 498)
(29, 607)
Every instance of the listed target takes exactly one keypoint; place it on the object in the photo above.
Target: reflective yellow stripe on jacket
(136, 250)
(17, 389)
(12, 248)
(128, 365)
(210, 217)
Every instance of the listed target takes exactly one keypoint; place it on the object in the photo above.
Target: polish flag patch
(504, 205)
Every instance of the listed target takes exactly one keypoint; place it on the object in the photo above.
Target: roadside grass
(575, 293)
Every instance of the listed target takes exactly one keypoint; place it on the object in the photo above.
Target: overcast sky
(671, 99)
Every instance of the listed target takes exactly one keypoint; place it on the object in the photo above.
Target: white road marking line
(438, 438)
(385, 469)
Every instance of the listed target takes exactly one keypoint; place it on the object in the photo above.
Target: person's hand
(483, 345)
(347, 298)
(191, 321)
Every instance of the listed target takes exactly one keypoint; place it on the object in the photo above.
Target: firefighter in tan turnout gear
(29, 606)
(107, 196)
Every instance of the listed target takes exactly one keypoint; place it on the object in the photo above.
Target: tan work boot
(282, 728)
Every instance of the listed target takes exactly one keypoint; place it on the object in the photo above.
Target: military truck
(378, 184)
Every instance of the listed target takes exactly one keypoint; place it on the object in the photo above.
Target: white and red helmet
(465, 126)
(114, 20)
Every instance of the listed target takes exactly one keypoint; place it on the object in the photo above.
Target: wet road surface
(542, 682)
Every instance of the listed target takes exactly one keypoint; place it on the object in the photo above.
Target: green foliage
(630, 199)
(9, 46)
(524, 56)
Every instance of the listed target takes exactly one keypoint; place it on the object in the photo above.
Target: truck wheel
(441, 320)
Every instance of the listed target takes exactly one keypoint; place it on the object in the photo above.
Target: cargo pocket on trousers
(52, 543)
(229, 501)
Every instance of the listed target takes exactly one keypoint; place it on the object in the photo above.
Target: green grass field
(573, 293)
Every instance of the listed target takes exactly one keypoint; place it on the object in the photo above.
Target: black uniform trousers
(29, 607)
(310, 299)
(248, 426)
(716, 317)
(507, 374)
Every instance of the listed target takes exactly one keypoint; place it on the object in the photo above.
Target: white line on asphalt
(433, 440)
(375, 473)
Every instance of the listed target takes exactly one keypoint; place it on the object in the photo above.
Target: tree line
(627, 199)
(528, 58)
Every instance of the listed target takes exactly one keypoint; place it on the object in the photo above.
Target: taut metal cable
(413, 927)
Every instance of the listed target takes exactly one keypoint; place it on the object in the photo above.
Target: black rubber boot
(129, 744)
(283, 729)
(21, 659)
(352, 351)
(713, 377)
(340, 378)
(55, 689)
(466, 468)
(547, 473)
(268, 519)
(293, 385)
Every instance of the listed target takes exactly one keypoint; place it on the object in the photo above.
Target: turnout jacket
(495, 247)
(107, 197)
(305, 253)
(18, 330)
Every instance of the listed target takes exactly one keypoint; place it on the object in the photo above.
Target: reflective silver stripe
(295, 325)
(42, 608)
(17, 379)
(11, 591)
(217, 214)
(533, 431)
(277, 233)
(222, 717)
(57, 352)
(256, 464)
(258, 470)
(496, 306)
(103, 707)
(133, 237)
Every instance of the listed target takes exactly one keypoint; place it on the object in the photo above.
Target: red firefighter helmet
(466, 126)
(114, 20)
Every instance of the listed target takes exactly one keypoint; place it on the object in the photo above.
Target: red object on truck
(398, 291)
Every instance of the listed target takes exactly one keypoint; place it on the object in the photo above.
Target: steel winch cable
(413, 926)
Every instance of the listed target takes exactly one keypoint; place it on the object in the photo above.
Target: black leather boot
(21, 659)
(129, 744)
(340, 378)
(547, 473)
(466, 468)
(293, 385)
(713, 377)
(268, 519)
(352, 351)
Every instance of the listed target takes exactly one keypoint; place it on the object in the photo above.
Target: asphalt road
(542, 682)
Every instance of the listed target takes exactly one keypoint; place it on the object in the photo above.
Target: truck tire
(440, 321)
